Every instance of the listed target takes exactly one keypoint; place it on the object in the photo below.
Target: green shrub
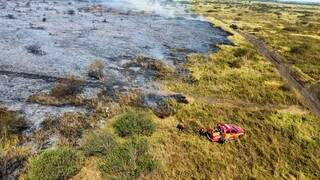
(128, 161)
(53, 164)
(98, 143)
(134, 123)
(299, 49)
(240, 52)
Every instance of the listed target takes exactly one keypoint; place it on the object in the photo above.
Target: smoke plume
(168, 8)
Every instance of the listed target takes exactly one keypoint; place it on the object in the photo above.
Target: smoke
(168, 8)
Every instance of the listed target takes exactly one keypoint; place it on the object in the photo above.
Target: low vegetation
(95, 70)
(60, 163)
(47, 99)
(10, 123)
(70, 127)
(154, 67)
(98, 143)
(67, 87)
(12, 155)
(234, 85)
(130, 160)
(134, 123)
(293, 30)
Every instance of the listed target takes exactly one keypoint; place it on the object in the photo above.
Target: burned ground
(74, 34)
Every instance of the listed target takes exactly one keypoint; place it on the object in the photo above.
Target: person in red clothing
(223, 133)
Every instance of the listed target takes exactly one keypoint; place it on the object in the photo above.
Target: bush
(67, 87)
(98, 143)
(240, 52)
(128, 161)
(96, 70)
(10, 122)
(290, 28)
(299, 49)
(53, 164)
(134, 123)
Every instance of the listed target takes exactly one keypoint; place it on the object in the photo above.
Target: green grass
(252, 81)
(285, 27)
(134, 123)
(236, 85)
(276, 145)
(60, 163)
(129, 160)
(98, 143)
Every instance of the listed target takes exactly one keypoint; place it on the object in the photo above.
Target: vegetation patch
(70, 126)
(95, 70)
(11, 123)
(67, 87)
(134, 123)
(299, 48)
(129, 161)
(98, 143)
(60, 163)
(46, 99)
(158, 68)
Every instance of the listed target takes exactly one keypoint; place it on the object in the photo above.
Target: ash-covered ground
(42, 41)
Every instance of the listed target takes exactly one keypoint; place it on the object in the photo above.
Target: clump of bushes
(134, 123)
(67, 87)
(98, 143)
(96, 70)
(61, 163)
(240, 52)
(299, 49)
(129, 160)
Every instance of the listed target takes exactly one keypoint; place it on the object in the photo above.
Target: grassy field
(235, 85)
(293, 30)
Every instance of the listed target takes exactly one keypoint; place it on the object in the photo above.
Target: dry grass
(158, 68)
(89, 171)
(67, 87)
(70, 127)
(95, 70)
(50, 100)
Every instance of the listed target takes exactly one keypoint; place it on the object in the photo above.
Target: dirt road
(285, 71)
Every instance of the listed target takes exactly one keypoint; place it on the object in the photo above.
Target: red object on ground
(225, 132)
